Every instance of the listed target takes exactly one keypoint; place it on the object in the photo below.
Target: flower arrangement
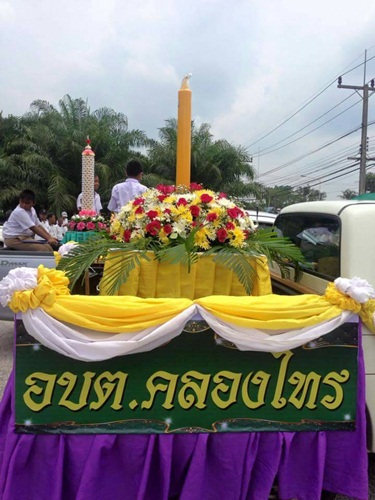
(168, 215)
(179, 225)
(87, 220)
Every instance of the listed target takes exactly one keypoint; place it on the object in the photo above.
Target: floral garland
(169, 214)
(87, 220)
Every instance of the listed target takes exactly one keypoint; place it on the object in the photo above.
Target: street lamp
(314, 179)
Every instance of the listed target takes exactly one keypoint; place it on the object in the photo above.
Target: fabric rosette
(26, 288)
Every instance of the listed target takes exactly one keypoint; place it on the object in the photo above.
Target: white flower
(357, 288)
(67, 247)
(179, 227)
(19, 279)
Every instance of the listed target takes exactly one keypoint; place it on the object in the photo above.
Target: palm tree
(217, 165)
(44, 150)
(348, 194)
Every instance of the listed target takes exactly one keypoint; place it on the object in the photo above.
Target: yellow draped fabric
(115, 314)
(129, 313)
(273, 312)
(159, 279)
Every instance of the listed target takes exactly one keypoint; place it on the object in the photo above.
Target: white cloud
(253, 63)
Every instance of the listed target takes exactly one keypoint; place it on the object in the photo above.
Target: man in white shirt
(43, 222)
(128, 190)
(97, 202)
(23, 224)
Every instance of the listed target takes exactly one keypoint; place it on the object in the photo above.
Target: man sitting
(23, 224)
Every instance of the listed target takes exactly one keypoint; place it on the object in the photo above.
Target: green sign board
(198, 382)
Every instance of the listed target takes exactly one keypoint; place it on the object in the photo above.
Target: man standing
(97, 202)
(23, 224)
(128, 190)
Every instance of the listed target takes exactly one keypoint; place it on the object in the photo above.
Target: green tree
(43, 151)
(217, 165)
(370, 183)
(348, 194)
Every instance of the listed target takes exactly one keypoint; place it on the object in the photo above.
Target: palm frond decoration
(179, 226)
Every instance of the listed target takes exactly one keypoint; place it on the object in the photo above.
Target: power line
(303, 106)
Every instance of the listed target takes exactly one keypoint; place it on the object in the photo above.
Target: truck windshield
(317, 236)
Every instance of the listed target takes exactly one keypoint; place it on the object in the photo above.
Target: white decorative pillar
(88, 168)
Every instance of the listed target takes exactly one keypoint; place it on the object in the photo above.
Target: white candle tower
(88, 167)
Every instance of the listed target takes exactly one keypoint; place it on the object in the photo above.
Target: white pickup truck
(337, 238)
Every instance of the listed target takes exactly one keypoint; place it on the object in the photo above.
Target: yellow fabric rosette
(51, 283)
(365, 311)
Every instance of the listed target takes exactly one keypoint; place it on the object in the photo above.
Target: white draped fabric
(88, 345)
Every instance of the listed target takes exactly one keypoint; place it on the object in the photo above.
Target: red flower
(181, 201)
(195, 210)
(127, 234)
(195, 187)
(138, 201)
(206, 198)
(230, 225)
(165, 189)
(222, 195)
(167, 229)
(235, 212)
(139, 210)
(153, 227)
(151, 214)
(211, 216)
(161, 197)
(167, 211)
(222, 235)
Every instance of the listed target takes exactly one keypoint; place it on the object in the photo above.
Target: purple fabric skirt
(231, 466)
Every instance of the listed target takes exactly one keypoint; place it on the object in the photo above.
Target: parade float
(186, 377)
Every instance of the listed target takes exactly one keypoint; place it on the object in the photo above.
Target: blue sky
(254, 64)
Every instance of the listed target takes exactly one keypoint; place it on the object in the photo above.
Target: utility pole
(363, 150)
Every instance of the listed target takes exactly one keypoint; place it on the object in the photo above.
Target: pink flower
(101, 225)
(222, 195)
(72, 224)
(87, 213)
(81, 226)
(90, 226)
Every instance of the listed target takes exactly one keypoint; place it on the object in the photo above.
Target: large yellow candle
(184, 133)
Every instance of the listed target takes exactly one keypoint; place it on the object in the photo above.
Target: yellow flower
(201, 240)
(238, 239)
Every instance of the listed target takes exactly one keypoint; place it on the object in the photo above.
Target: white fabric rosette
(358, 289)
(19, 279)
